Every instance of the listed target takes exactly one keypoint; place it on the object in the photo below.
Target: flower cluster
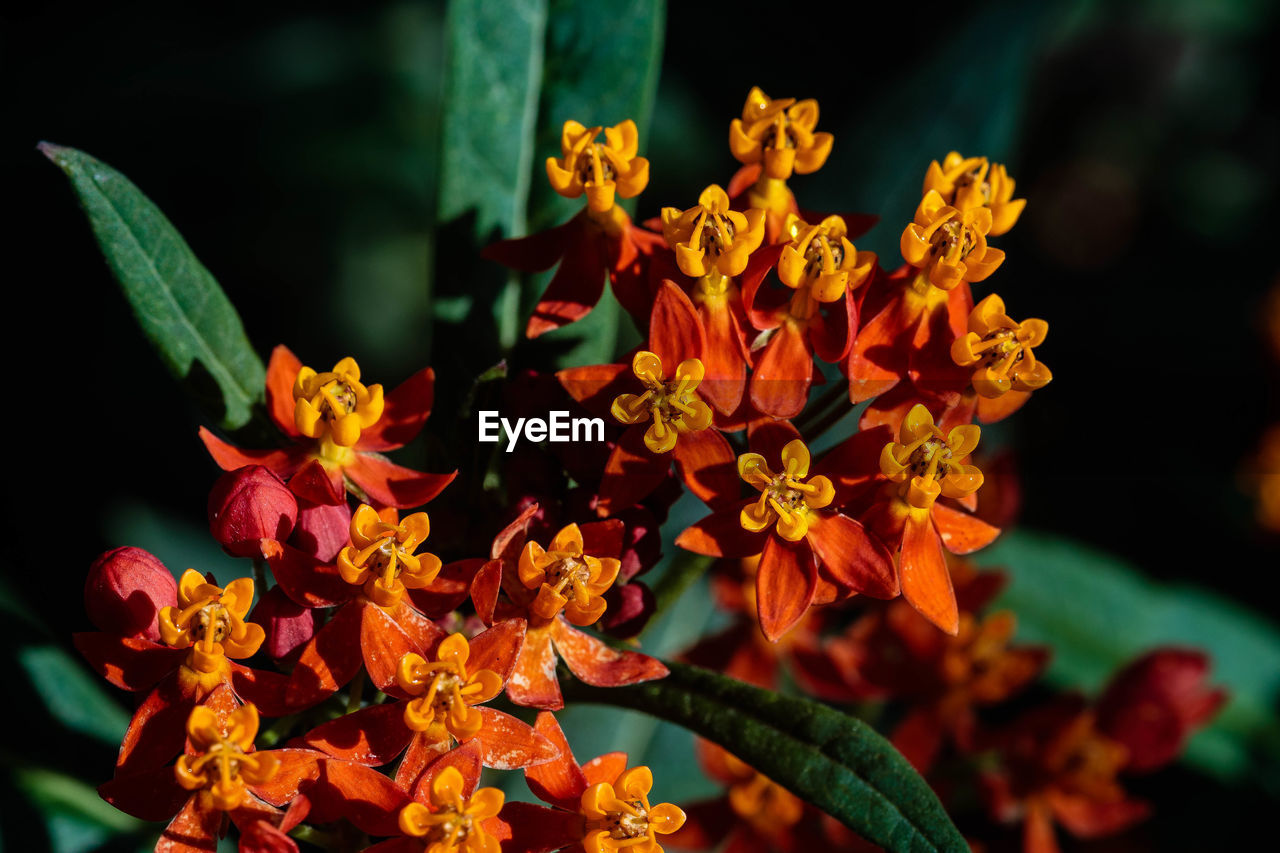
(395, 664)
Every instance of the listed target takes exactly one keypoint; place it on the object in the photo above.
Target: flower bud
(322, 529)
(248, 505)
(289, 625)
(125, 591)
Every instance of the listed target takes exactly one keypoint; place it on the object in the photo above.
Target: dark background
(294, 146)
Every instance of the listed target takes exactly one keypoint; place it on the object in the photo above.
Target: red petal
(577, 285)
(404, 412)
(194, 829)
(762, 309)
(297, 767)
(424, 634)
(1037, 830)
(508, 544)
(396, 845)
(767, 437)
(505, 743)
(721, 535)
(831, 332)
(329, 661)
(421, 752)
(743, 180)
(390, 484)
(450, 588)
(318, 484)
(485, 588)
(534, 253)
(289, 625)
(597, 386)
(707, 464)
(560, 781)
(282, 372)
(268, 690)
(533, 681)
(855, 559)
(498, 648)
(726, 365)
(307, 580)
(630, 262)
(854, 464)
(128, 663)
(373, 735)
(919, 737)
(599, 665)
(465, 759)
(785, 584)
(125, 591)
(1087, 818)
(603, 538)
(675, 332)
(383, 643)
(632, 472)
(157, 731)
(877, 359)
(526, 828)
(783, 373)
(147, 795)
(962, 533)
(926, 583)
(604, 768)
(282, 463)
(360, 794)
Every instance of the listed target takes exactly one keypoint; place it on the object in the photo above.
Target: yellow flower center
(223, 762)
(672, 405)
(381, 556)
(566, 578)
(335, 405)
(786, 497)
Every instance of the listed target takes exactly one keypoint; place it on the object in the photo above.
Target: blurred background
(296, 146)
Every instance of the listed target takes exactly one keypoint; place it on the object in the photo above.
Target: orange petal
(329, 660)
(194, 829)
(962, 533)
(282, 370)
(785, 584)
(498, 648)
(852, 555)
(506, 743)
(575, 288)
(533, 680)
(600, 665)
(597, 385)
(721, 535)
(705, 461)
(631, 474)
(394, 485)
(723, 358)
(675, 331)
(783, 373)
(877, 359)
(559, 781)
(404, 412)
(926, 583)
(371, 736)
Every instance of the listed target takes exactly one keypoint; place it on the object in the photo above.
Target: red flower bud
(322, 529)
(1155, 704)
(248, 505)
(288, 624)
(125, 591)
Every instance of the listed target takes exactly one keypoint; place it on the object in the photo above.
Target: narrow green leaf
(71, 696)
(176, 301)
(75, 817)
(1098, 613)
(827, 758)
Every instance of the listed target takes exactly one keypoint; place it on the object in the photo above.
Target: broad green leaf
(176, 301)
(492, 74)
(71, 696)
(1098, 613)
(75, 817)
(837, 762)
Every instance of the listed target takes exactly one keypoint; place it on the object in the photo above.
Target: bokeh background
(296, 146)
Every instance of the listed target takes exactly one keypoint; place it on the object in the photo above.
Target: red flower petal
(485, 588)
(724, 357)
(373, 735)
(128, 663)
(783, 373)
(360, 794)
(604, 768)
(853, 465)
(329, 661)
(630, 261)
(317, 483)
(877, 359)
(421, 752)
(390, 484)
(125, 590)
(450, 588)
(537, 252)
(307, 580)
(1037, 829)
(598, 664)
(768, 436)
(282, 463)
(465, 759)
(526, 828)
(597, 386)
(675, 332)
(1089, 818)
(424, 634)
(785, 584)
(707, 464)
(926, 583)
(282, 372)
(855, 559)
(721, 535)
(962, 533)
(157, 730)
(632, 473)
(506, 743)
(559, 781)
(383, 643)
(577, 285)
(405, 409)
(147, 795)
(498, 648)
(831, 332)
(268, 690)
(193, 830)
(919, 737)
(761, 309)
(533, 680)
(297, 767)
(602, 538)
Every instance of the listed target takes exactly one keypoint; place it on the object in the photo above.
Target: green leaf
(1098, 613)
(71, 696)
(176, 301)
(837, 762)
(75, 817)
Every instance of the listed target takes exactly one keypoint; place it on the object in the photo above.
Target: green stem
(356, 695)
(318, 837)
(825, 423)
(837, 393)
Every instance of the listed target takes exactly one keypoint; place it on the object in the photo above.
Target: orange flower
(928, 463)
(949, 245)
(620, 817)
(711, 241)
(780, 134)
(209, 620)
(602, 170)
(445, 690)
(1000, 351)
(969, 182)
(335, 405)
(673, 405)
(453, 818)
(563, 567)
(380, 556)
(221, 764)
